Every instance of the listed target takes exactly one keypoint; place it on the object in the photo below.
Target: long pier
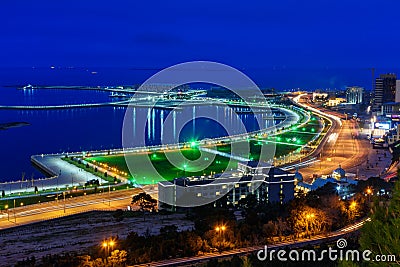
(64, 174)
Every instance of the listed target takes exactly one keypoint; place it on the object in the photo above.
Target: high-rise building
(354, 95)
(397, 98)
(385, 90)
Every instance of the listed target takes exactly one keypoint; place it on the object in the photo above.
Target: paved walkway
(63, 174)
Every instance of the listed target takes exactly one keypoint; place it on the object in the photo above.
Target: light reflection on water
(56, 131)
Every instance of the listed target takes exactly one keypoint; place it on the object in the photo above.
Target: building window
(217, 193)
(236, 185)
(199, 194)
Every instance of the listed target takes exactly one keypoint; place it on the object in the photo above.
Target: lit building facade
(354, 95)
(385, 90)
(336, 101)
(268, 184)
(397, 98)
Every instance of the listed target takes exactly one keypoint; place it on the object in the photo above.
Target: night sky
(155, 34)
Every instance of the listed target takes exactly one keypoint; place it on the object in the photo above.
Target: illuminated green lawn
(166, 169)
(285, 143)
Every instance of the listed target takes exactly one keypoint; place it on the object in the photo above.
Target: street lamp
(353, 205)
(184, 167)
(309, 218)
(107, 245)
(8, 214)
(15, 218)
(369, 193)
(64, 193)
(220, 230)
(109, 196)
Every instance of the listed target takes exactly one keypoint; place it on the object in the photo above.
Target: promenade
(63, 174)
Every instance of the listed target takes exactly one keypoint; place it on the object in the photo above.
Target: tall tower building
(397, 99)
(354, 95)
(385, 90)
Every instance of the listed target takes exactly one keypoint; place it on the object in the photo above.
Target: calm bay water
(57, 131)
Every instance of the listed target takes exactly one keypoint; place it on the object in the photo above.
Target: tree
(381, 235)
(169, 231)
(117, 258)
(269, 229)
(307, 221)
(145, 202)
(85, 261)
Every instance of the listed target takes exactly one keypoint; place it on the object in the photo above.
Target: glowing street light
(220, 229)
(8, 213)
(107, 244)
(369, 193)
(310, 218)
(353, 205)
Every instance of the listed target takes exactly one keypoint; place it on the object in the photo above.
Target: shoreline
(64, 174)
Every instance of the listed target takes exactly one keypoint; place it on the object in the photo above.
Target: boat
(29, 86)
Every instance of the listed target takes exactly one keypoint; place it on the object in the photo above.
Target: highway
(318, 239)
(343, 145)
(119, 199)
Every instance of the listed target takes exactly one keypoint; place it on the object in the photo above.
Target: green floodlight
(312, 130)
(154, 156)
(294, 139)
(304, 128)
(184, 166)
(193, 144)
(278, 138)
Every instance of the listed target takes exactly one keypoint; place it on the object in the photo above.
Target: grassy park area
(197, 163)
(191, 164)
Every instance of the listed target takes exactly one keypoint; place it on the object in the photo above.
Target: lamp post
(15, 218)
(184, 168)
(107, 245)
(369, 193)
(64, 199)
(352, 210)
(8, 214)
(309, 218)
(109, 195)
(220, 230)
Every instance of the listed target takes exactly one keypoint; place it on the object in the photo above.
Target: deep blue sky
(154, 34)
